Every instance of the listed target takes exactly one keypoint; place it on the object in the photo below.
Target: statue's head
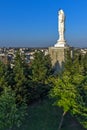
(61, 11)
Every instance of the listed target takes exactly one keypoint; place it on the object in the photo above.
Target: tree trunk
(61, 122)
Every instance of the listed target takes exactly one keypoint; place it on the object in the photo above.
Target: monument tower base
(60, 43)
(57, 55)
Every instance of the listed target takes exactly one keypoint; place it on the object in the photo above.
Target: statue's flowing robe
(61, 26)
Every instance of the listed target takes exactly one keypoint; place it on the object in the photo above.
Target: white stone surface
(60, 44)
(61, 29)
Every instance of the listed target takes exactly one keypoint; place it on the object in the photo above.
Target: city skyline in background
(34, 23)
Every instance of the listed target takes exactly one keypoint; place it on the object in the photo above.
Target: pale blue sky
(33, 23)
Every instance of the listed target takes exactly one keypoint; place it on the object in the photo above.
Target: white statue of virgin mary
(61, 29)
(61, 25)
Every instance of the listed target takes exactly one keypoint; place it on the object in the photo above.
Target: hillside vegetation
(45, 116)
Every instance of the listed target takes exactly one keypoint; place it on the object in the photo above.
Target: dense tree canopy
(70, 91)
(11, 114)
(32, 82)
(41, 67)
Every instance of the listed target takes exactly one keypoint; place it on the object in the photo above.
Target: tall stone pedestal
(57, 55)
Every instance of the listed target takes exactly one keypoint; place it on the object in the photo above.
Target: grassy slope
(44, 116)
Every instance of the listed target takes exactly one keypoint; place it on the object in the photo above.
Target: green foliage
(27, 81)
(11, 114)
(19, 78)
(84, 61)
(45, 116)
(66, 85)
(41, 67)
(69, 89)
(80, 112)
(9, 77)
(41, 70)
(3, 82)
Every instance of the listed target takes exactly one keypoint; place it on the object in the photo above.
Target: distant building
(3, 58)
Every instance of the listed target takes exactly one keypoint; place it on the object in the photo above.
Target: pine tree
(41, 67)
(11, 114)
(3, 82)
(19, 77)
(41, 70)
